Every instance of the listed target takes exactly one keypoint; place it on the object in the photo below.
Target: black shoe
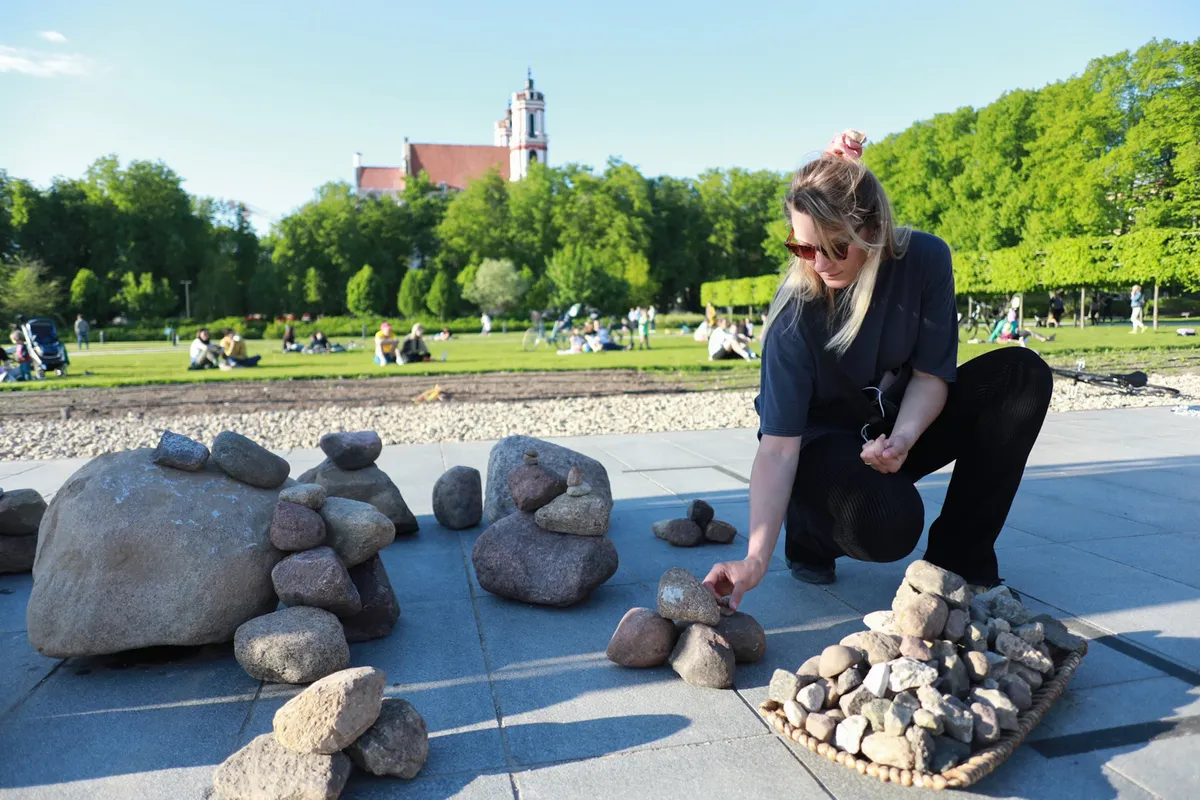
(812, 573)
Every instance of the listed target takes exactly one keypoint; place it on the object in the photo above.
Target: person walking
(82, 333)
(1137, 302)
(861, 396)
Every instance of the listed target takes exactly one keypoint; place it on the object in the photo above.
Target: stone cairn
(349, 471)
(332, 581)
(553, 549)
(21, 512)
(938, 677)
(697, 527)
(341, 719)
(701, 638)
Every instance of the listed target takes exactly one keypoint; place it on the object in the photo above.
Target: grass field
(141, 363)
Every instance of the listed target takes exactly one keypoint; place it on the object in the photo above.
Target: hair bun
(855, 135)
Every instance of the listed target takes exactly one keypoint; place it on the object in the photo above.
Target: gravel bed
(451, 421)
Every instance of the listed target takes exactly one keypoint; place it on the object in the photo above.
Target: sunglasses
(808, 252)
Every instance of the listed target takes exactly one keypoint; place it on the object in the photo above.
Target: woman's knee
(882, 527)
(1012, 371)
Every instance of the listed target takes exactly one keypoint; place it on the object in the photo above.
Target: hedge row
(740, 292)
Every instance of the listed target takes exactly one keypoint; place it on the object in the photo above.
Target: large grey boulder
(517, 559)
(508, 454)
(134, 554)
(293, 645)
(17, 553)
(368, 485)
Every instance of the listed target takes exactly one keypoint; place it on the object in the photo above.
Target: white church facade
(518, 140)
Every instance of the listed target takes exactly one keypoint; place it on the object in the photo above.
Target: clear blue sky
(263, 101)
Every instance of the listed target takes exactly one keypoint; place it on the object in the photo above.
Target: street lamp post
(187, 299)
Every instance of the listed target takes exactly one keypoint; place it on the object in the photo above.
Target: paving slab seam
(795, 756)
(614, 456)
(1132, 566)
(1137, 733)
(237, 740)
(34, 688)
(633, 752)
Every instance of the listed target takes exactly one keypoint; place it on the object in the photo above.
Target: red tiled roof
(455, 164)
(380, 179)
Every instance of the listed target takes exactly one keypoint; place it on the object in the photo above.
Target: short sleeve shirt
(911, 322)
(385, 342)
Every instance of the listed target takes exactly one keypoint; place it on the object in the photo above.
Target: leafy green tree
(476, 224)
(442, 298)
(27, 288)
(141, 296)
(497, 286)
(364, 293)
(314, 288)
(87, 294)
(578, 277)
(413, 289)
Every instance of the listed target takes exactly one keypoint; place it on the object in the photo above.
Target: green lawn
(134, 363)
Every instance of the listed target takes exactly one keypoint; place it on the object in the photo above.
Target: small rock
(835, 714)
(997, 665)
(681, 596)
(920, 741)
(367, 485)
(1030, 676)
(642, 639)
(956, 625)
(1010, 610)
(947, 753)
(533, 486)
(530, 457)
(581, 515)
(988, 683)
(575, 477)
(355, 530)
(1032, 633)
(942, 650)
(458, 498)
(836, 659)
(877, 679)
(897, 719)
(852, 703)
(832, 696)
(1006, 710)
(996, 627)
(812, 697)
(379, 607)
(924, 617)
(329, 715)
(977, 637)
(987, 726)
(266, 769)
(894, 751)
(316, 578)
(21, 512)
(679, 532)
(908, 699)
(850, 680)
(879, 647)
(876, 712)
(932, 579)
(582, 490)
(1018, 691)
(311, 495)
(784, 686)
(957, 676)
(820, 727)
(179, 451)
(397, 744)
(795, 713)
(924, 718)
(700, 513)
(905, 593)
(850, 732)
(811, 667)
(720, 532)
(248, 462)
(702, 657)
(914, 648)
(1021, 652)
(958, 720)
(884, 621)
(979, 610)
(352, 450)
(977, 665)
(1057, 635)
(292, 645)
(745, 636)
(905, 673)
(296, 527)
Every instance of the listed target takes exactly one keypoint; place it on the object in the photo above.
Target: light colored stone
(884, 621)
(1019, 651)
(1032, 633)
(682, 597)
(784, 686)
(1057, 635)
(329, 715)
(879, 647)
(932, 579)
(585, 515)
(836, 659)
(877, 679)
(811, 667)
(904, 594)
(642, 639)
(995, 627)
(820, 727)
(924, 718)
(977, 637)
(292, 645)
(702, 657)
(396, 745)
(795, 713)
(977, 665)
(1006, 710)
(812, 697)
(579, 490)
(923, 617)
(920, 741)
(997, 665)
(1010, 610)
(852, 703)
(897, 719)
(355, 530)
(266, 769)
(894, 751)
(850, 732)
(907, 673)
(876, 712)
(832, 696)
(311, 495)
(914, 648)
(956, 625)
(507, 455)
(958, 720)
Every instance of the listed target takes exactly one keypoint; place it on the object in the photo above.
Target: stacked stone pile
(21, 512)
(332, 581)
(349, 471)
(547, 542)
(341, 719)
(697, 527)
(701, 639)
(939, 676)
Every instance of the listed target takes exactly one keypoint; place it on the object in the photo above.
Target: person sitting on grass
(602, 340)
(577, 344)
(317, 343)
(386, 345)
(725, 344)
(289, 340)
(22, 356)
(444, 336)
(204, 352)
(235, 351)
(1007, 330)
(413, 348)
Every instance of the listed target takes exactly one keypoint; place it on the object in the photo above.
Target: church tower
(527, 130)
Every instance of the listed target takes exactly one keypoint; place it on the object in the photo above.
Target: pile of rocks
(697, 527)
(938, 677)
(547, 542)
(349, 471)
(458, 498)
(701, 639)
(340, 719)
(21, 512)
(333, 583)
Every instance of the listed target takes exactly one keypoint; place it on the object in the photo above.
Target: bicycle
(535, 336)
(1133, 383)
(979, 316)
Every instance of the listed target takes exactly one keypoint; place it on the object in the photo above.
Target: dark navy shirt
(912, 322)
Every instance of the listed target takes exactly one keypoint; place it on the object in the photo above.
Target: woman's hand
(733, 579)
(887, 453)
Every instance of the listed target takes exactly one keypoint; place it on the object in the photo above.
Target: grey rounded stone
(296, 527)
(265, 769)
(720, 532)
(21, 512)
(582, 515)
(249, 462)
(914, 648)
(745, 636)
(380, 610)
(679, 532)
(292, 645)
(180, 452)
(367, 485)
(533, 486)
(783, 686)
(880, 648)
(700, 512)
(355, 530)
(329, 715)
(702, 657)
(396, 745)
(682, 597)
(977, 665)
(932, 579)
(316, 578)
(642, 639)
(311, 495)
(352, 450)
(458, 498)
(17, 553)
(508, 454)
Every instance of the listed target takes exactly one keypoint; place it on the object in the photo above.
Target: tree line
(1088, 180)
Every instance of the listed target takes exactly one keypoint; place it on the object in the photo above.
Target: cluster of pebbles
(935, 679)
(701, 639)
(697, 526)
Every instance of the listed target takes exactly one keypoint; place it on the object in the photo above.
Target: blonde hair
(847, 203)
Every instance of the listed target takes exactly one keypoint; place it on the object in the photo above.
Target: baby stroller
(41, 336)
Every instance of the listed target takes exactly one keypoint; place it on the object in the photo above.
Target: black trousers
(993, 414)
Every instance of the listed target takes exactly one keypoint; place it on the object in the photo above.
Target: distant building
(518, 139)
